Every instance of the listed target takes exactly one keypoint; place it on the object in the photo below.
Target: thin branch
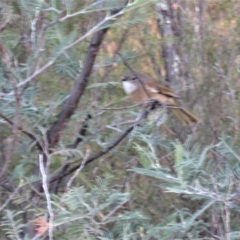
(69, 183)
(96, 156)
(30, 135)
(48, 198)
(122, 108)
(10, 197)
(36, 73)
(79, 12)
(82, 132)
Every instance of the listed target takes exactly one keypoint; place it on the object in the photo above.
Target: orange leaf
(42, 224)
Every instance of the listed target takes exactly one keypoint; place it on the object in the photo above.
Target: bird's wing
(157, 87)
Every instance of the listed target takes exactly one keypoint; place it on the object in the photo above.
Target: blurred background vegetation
(80, 167)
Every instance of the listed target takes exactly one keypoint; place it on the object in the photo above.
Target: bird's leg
(155, 104)
(151, 104)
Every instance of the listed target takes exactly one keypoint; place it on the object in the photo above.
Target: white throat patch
(129, 87)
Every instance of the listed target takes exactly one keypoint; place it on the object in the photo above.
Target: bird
(141, 88)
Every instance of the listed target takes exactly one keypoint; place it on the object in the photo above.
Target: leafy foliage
(163, 180)
(11, 225)
(204, 180)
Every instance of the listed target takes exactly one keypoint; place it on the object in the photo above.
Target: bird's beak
(124, 79)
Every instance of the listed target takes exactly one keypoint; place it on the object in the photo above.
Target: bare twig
(82, 132)
(10, 197)
(122, 108)
(227, 219)
(20, 129)
(69, 183)
(48, 198)
(79, 12)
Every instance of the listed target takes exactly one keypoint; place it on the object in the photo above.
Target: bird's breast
(129, 87)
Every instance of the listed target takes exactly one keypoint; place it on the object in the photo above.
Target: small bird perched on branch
(142, 88)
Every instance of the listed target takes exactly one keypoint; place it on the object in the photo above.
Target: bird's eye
(134, 78)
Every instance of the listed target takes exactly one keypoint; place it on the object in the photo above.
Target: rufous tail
(185, 116)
